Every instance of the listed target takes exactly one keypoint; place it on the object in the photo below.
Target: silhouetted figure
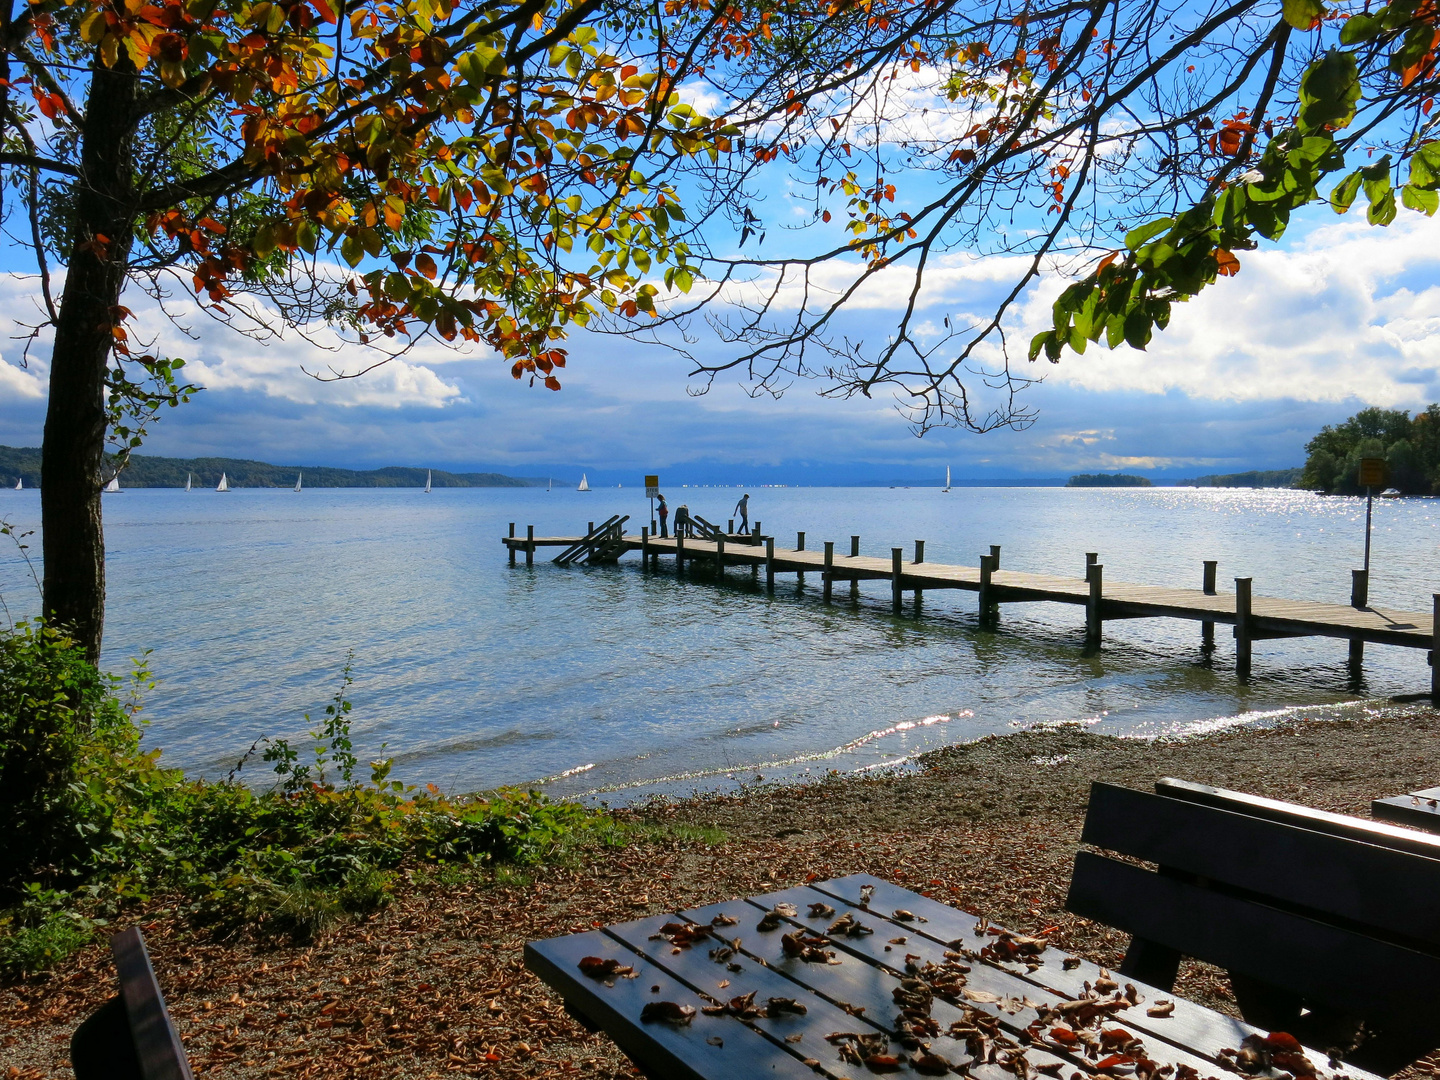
(683, 525)
(742, 509)
(664, 516)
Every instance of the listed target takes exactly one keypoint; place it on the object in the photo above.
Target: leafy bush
(314, 849)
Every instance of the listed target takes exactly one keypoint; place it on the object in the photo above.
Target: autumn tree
(490, 174)
(1139, 146)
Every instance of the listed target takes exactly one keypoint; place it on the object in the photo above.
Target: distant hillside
(146, 471)
(1107, 480)
(1255, 478)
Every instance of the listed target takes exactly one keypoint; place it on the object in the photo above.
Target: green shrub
(316, 848)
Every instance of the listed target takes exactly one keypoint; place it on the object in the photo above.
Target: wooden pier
(1251, 617)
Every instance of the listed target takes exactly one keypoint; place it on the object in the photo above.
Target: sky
(1339, 316)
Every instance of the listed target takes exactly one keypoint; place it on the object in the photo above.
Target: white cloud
(1347, 312)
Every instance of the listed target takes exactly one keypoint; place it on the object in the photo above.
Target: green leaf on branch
(1301, 14)
(1343, 197)
(1137, 237)
(1421, 199)
(1360, 28)
(1329, 91)
(1425, 166)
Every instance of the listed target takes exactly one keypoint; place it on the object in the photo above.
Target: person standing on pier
(664, 509)
(683, 525)
(742, 511)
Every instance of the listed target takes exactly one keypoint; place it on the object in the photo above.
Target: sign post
(652, 489)
(1372, 475)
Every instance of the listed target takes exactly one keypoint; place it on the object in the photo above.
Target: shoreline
(435, 985)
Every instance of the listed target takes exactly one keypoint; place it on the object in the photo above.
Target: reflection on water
(473, 673)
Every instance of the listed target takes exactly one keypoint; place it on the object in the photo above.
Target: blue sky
(1339, 316)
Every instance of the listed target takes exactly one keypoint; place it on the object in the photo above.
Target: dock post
(1091, 558)
(897, 555)
(1435, 648)
(757, 530)
(770, 564)
(719, 558)
(679, 555)
(1095, 575)
(919, 558)
(994, 556)
(1207, 586)
(854, 581)
(512, 546)
(730, 527)
(985, 605)
(800, 546)
(644, 547)
(829, 567)
(1359, 598)
(529, 545)
(1242, 627)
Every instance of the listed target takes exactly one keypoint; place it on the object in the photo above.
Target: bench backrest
(131, 1035)
(1339, 910)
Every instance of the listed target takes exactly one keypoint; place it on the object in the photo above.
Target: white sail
(19, 483)
(549, 483)
(584, 483)
(427, 481)
(114, 484)
(223, 485)
(188, 478)
(947, 477)
(298, 478)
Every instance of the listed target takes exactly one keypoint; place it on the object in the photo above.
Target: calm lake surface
(473, 673)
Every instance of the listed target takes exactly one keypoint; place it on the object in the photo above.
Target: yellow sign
(652, 486)
(1373, 472)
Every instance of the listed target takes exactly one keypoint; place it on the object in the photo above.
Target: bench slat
(1335, 967)
(1324, 873)
(1371, 832)
(659, 1049)
(157, 1046)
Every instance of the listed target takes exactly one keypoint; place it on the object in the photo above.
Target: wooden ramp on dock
(1251, 617)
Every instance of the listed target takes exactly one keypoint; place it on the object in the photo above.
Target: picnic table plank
(660, 1049)
(1191, 1027)
(866, 976)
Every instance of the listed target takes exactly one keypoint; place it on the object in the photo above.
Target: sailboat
(19, 483)
(298, 478)
(584, 484)
(114, 484)
(427, 481)
(549, 483)
(188, 478)
(223, 485)
(947, 477)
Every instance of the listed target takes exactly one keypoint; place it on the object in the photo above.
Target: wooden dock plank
(1269, 616)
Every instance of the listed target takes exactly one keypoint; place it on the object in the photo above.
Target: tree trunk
(74, 448)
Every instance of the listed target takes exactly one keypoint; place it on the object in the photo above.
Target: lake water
(474, 673)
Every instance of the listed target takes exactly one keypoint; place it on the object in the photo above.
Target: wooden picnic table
(975, 999)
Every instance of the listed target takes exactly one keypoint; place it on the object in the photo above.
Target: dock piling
(529, 545)
(1207, 586)
(829, 567)
(757, 529)
(1360, 600)
(719, 558)
(1095, 575)
(994, 556)
(770, 564)
(1435, 648)
(800, 546)
(512, 546)
(986, 613)
(679, 555)
(897, 556)
(1243, 629)
(854, 579)
(730, 527)
(919, 558)
(644, 547)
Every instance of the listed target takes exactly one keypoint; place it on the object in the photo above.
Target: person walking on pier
(664, 509)
(683, 525)
(742, 510)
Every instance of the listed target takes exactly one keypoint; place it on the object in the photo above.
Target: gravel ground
(435, 984)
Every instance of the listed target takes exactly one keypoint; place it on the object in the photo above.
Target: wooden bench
(1323, 921)
(793, 984)
(1418, 809)
(130, 1037)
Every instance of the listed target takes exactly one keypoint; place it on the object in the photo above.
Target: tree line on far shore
(1409, 444)
(143, 470)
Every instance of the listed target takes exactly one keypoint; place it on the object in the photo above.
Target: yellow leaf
(92, 27)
